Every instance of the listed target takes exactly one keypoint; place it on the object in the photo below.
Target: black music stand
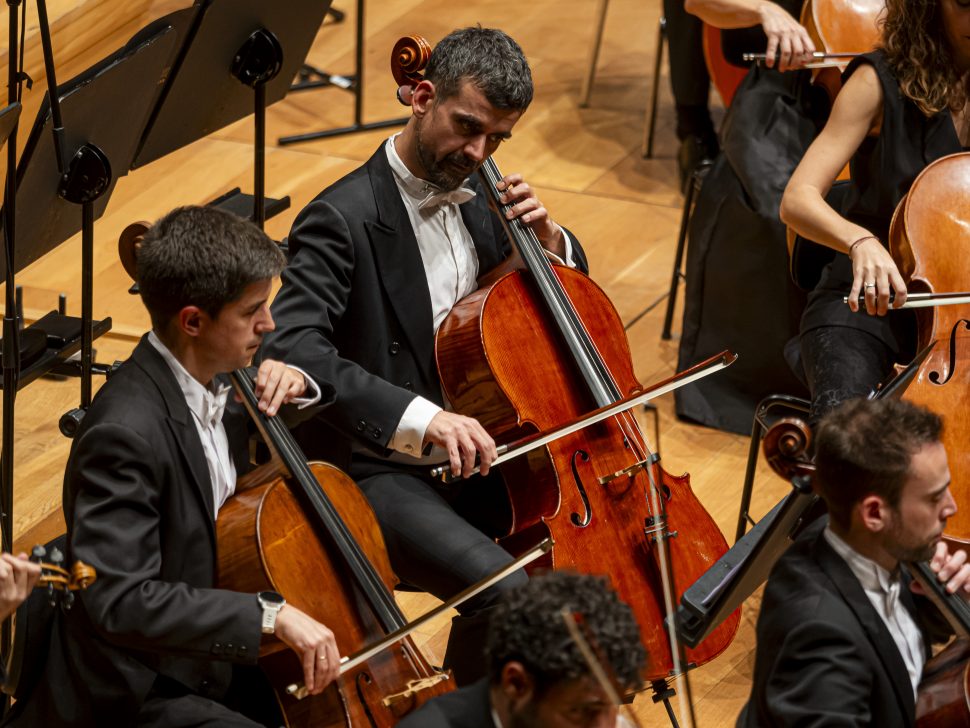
(354, 84)
(106, 109)
(746, 565)
(238, 58)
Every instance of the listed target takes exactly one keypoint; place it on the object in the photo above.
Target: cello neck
(953, 606)
(284, 449)
(591, 366)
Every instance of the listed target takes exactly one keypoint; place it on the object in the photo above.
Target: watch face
(271, 597)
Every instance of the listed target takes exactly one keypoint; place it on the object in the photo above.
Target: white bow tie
(215, 406)
(437, 198)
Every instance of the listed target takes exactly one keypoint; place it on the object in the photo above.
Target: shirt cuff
(311, 386)
(409, 435)
(568, 246)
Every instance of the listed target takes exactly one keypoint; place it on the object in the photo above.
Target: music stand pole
(358, 90)
(11, 324)
(257, 63)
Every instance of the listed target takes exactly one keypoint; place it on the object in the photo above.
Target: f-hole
(364, 679)
(581, 521)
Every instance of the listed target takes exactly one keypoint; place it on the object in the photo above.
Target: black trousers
(689, 79)
(433, 545)
(842, 363)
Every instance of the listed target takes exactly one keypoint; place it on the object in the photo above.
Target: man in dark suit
(841, 639)
(153, 641)
(377, 262)
(537, 676)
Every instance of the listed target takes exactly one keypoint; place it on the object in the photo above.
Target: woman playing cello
(903, 106)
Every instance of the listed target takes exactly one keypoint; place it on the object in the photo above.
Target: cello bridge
(629, 472)
(413, 688)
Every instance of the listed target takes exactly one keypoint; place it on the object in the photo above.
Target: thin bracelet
(860, 240)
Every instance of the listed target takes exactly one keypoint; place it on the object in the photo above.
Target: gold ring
(323, 658)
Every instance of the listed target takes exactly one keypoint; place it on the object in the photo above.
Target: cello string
(385, 608)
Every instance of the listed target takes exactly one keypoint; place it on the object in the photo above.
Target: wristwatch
(272, 603)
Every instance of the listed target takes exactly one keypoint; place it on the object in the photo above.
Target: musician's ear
(516, 684)
(190, 320)
(872, 511)
(423, 97)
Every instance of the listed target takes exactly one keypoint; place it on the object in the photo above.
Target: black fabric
(354, 311)
(824, 656)
(171, 705)
(689, 80)
(138, 508)
(434, 545)
(842, 364)
(739, 295)
(883, 170)
(469, 707)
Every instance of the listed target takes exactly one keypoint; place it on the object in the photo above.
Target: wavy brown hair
(919, 55)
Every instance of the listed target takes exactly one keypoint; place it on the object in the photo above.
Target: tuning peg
(38, 553)
(67, 600)
(56, 557)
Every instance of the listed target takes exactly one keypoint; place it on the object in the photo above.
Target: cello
(924, 237)
(600, 493)
(307, 532)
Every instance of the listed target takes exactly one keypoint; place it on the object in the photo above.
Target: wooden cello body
(269, 538)
(926, 239)
(501, 362)
(841, 26)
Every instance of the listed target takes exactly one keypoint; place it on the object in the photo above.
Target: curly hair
(865, 447)
(914, 40)
(527, 627)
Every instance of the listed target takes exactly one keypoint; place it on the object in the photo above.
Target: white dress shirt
(882, 588)
(451, 268)
(207, 406)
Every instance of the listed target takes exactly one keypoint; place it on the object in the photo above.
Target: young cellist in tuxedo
(153, 642)
(842, 640)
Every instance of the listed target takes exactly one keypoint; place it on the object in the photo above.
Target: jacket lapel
(478, 220)
(399, 262)
(181, 424)
(876, 630)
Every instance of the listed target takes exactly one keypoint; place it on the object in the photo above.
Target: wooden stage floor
(585, 163)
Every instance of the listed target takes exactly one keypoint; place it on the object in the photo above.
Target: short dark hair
(488, 58)
(201, 256)
(527, 627)
(865, 447)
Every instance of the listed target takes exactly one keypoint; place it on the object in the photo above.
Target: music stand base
(340, 131)
(241, 204)
(63, 341)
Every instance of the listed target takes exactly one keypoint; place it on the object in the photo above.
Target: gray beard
(437, 175)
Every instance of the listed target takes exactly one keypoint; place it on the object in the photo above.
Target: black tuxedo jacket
(824, 655)
(469, 707)
(354, 310)
(138, 505)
